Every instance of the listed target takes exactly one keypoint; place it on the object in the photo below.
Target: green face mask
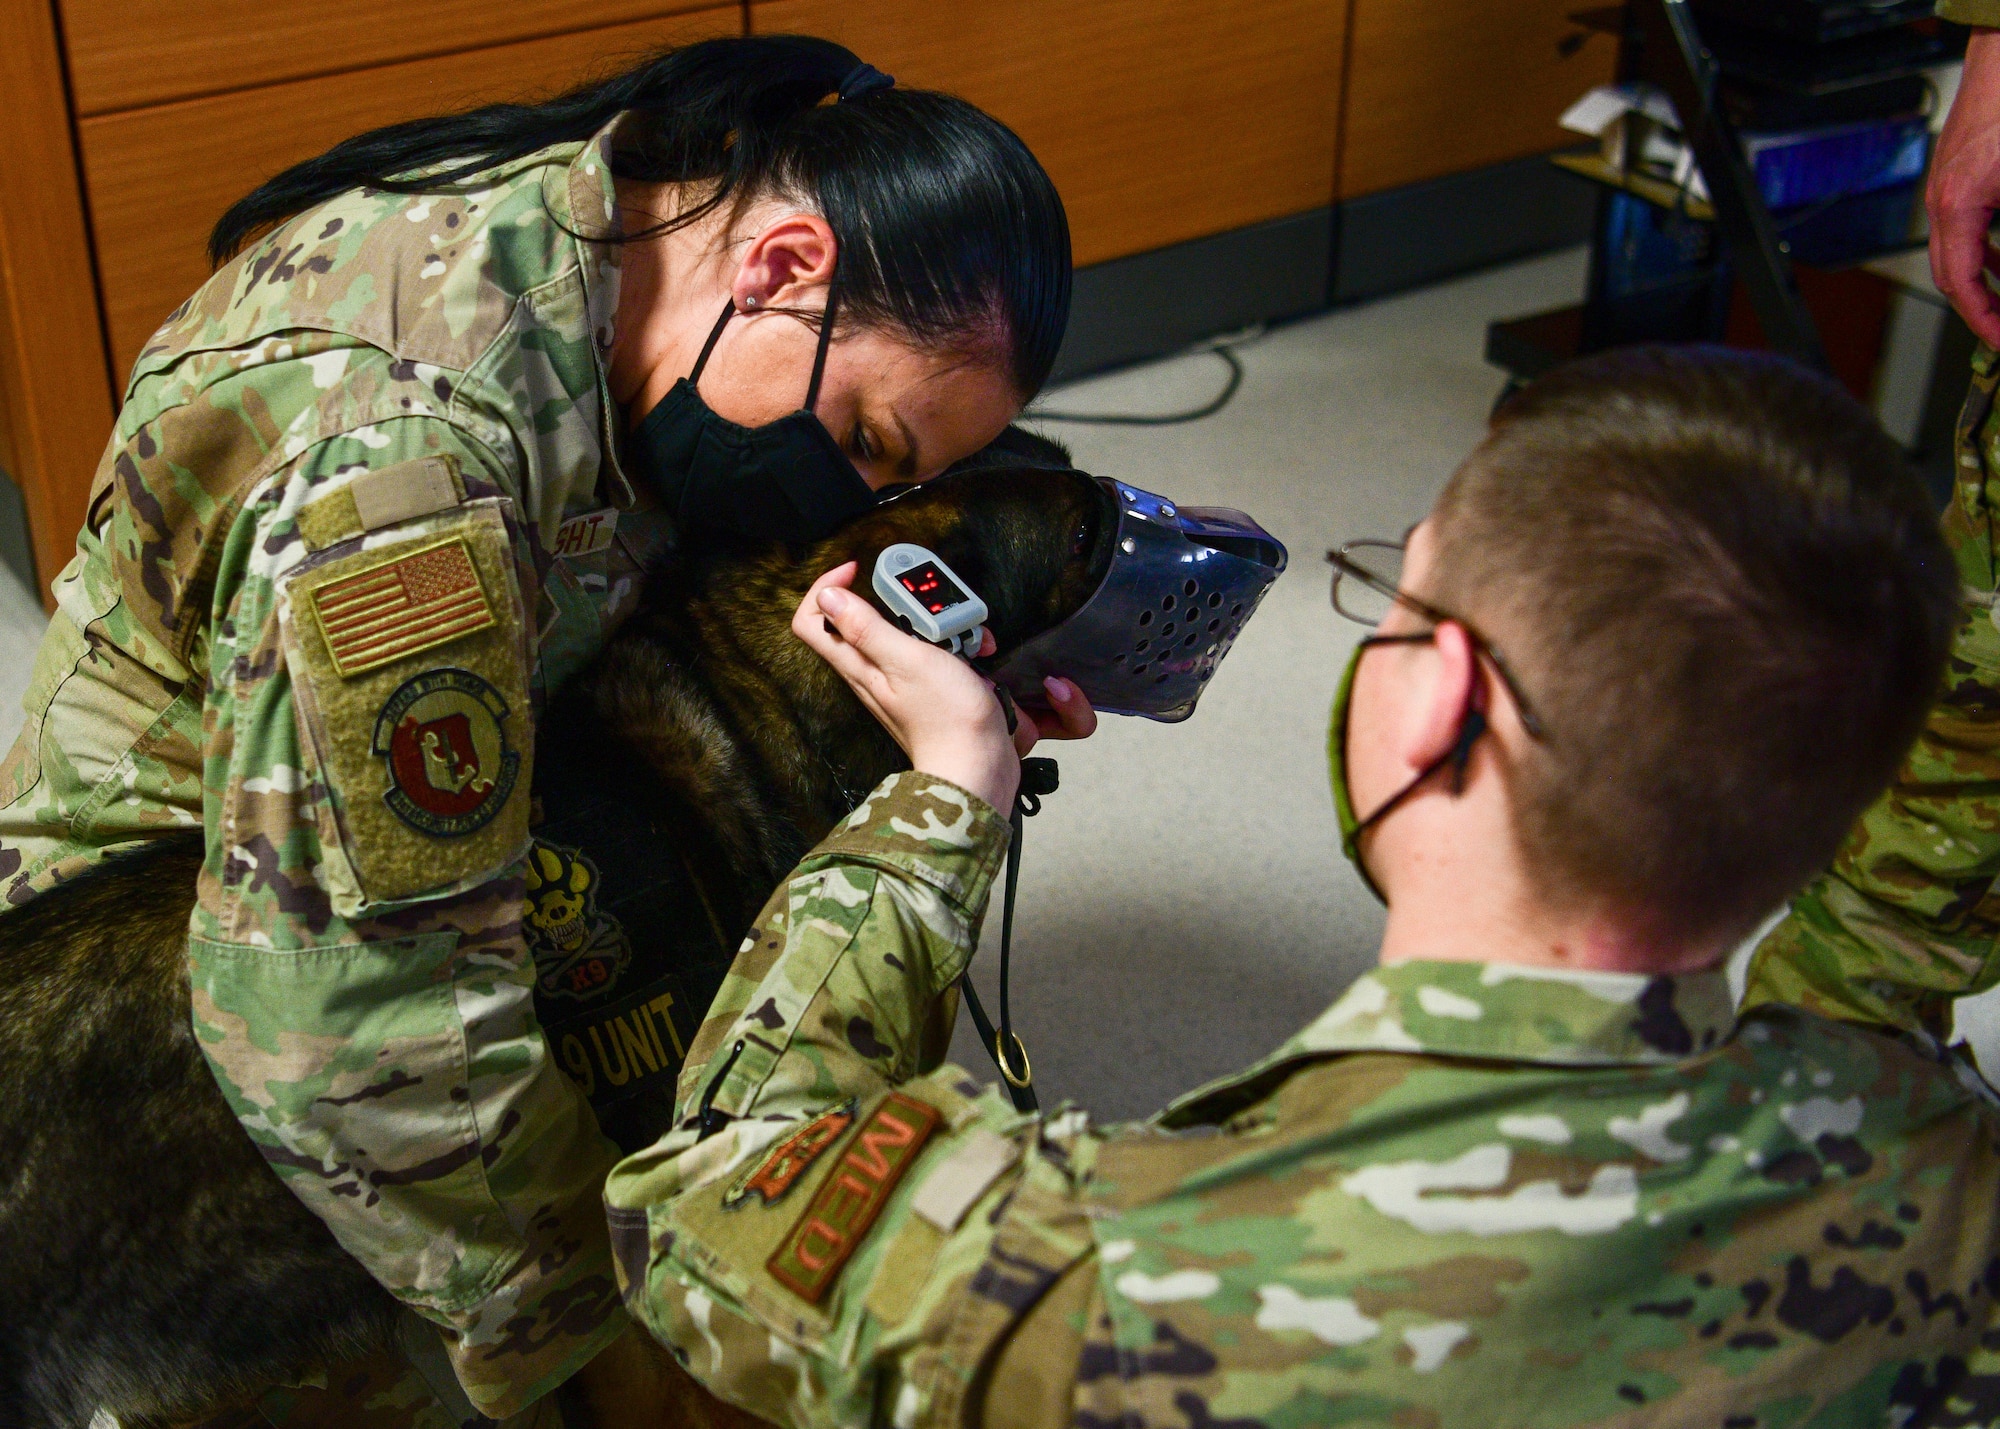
(1352, 825)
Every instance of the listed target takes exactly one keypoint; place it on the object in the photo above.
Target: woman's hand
(938, 708)
(1069, 715)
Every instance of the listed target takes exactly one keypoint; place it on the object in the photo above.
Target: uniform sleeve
(1983, 13)
(1907, 919)
(360, 983)
(863, 1233)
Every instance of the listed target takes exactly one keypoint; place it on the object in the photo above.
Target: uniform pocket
(409, 663)
(84, 597)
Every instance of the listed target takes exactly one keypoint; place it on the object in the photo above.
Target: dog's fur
(149, 1261)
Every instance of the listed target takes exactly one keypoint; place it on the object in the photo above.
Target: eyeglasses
(1367, 585)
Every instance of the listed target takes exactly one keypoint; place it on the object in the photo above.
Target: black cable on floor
(1171, 419)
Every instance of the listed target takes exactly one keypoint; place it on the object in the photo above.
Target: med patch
(844, 1208)
(780, 1171)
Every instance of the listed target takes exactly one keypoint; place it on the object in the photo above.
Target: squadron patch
(780, 1171)
(401, 607)
(450, 770)
(579, 950)
(844, 1208)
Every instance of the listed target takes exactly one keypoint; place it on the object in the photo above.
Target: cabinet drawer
(125, 53)
(159, 178)
(1159, 120)
(1439, 89)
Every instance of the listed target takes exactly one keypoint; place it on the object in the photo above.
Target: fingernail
(833, 600)
(1059, 690)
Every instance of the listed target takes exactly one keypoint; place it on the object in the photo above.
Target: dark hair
(948, 228)
(1724, 590)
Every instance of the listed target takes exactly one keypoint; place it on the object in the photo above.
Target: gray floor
(1184, 906)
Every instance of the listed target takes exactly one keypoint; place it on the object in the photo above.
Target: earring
(751, 301)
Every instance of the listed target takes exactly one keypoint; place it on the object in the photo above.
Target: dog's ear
(929, 516)
(1017, 446)
(932, 517)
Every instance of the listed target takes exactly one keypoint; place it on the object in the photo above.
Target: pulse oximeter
(926, 597)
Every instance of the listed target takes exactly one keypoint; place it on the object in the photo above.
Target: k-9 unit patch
(614, 1052)
(579, 949)
(443, 736)
(794, 1156)
(401, 607)
(839, 1216)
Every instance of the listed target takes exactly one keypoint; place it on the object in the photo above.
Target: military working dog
(150, 1262)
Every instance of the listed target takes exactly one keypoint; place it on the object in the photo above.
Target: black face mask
(787, 481)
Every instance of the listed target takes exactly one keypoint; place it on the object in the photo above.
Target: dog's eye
(1079, 544)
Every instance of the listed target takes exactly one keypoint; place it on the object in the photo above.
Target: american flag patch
(401, 607)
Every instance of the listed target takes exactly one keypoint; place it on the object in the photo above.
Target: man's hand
(1964, 189)
(943, 714)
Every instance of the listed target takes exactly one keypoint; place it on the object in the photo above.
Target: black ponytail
(946, 223)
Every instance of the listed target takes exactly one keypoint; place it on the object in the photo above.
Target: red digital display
(931, 586)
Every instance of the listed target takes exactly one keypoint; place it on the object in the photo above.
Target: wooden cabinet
(112, 174)
(1436, 89)
(159, 177)
(55, 389)
(1160, 120)
(127, 53)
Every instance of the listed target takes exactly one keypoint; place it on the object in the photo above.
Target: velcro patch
(443, 735)
(406, 491)
(402, 605)
(839, 1216)
(955, 1187)
(426, 757)
(386, 496)
(780, 1171)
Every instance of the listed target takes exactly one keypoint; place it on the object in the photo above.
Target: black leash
(1039, 777)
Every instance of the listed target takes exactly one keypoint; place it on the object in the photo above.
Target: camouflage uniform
(1970, 12)
(1465, 1194)
(1908, 917)
(362, 511)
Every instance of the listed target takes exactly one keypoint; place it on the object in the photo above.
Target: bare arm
(1964, 189)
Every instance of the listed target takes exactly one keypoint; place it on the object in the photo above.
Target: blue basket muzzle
(1182, 582)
